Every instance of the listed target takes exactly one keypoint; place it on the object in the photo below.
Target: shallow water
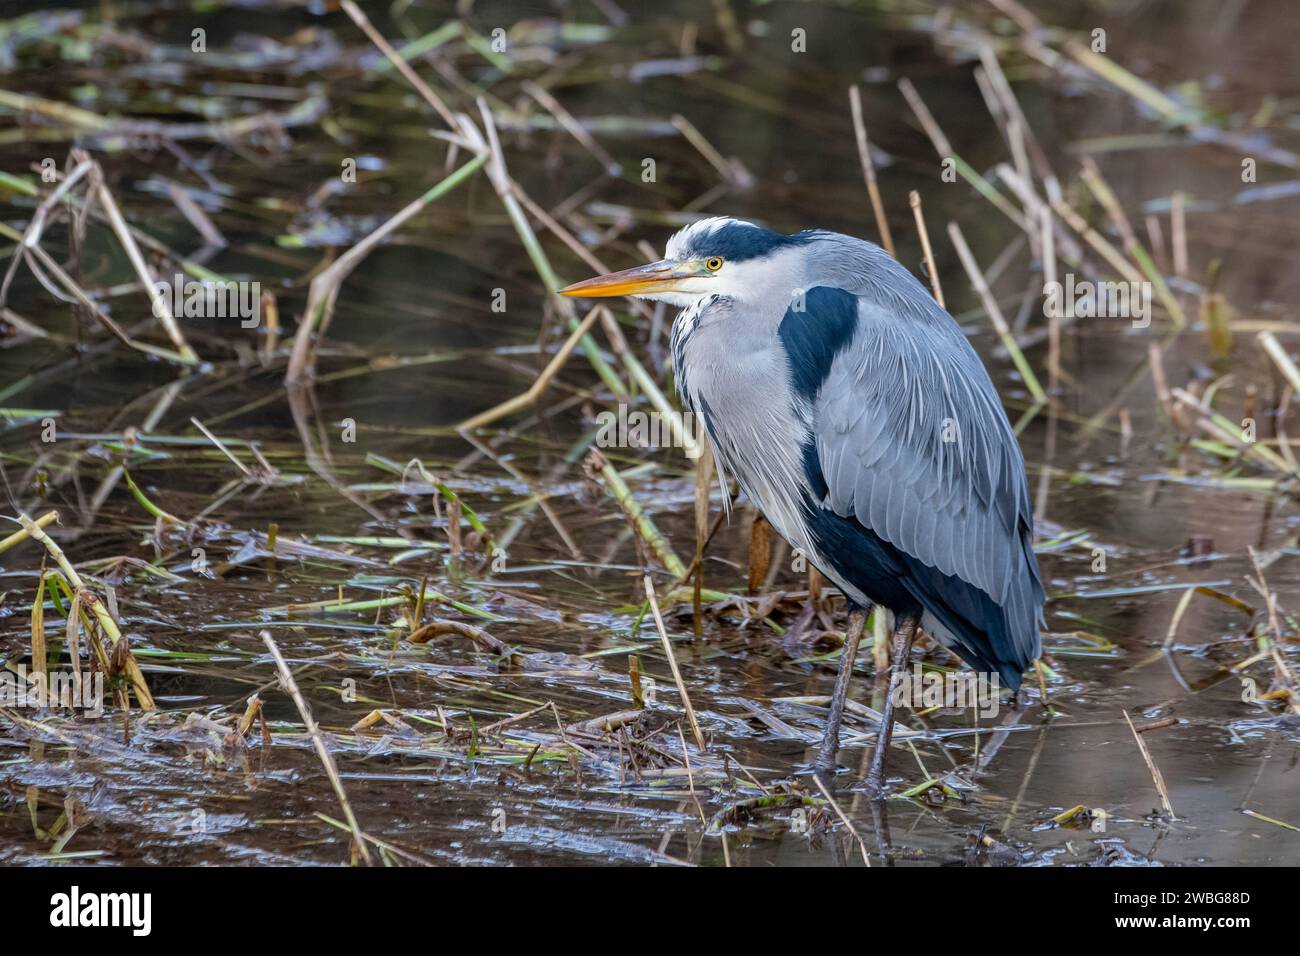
(435, 785)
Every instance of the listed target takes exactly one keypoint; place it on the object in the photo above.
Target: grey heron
(858, 419)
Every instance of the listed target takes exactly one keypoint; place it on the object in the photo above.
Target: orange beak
(662, 276)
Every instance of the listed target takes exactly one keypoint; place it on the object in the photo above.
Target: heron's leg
(904, 632)
(831, 739)
(880, 826)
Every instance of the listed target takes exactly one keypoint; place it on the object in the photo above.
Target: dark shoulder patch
(813, 337)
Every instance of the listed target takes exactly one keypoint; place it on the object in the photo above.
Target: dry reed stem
(1178, 232)
(1156, 776)
(161, 307)
(703, 482)
(869, 170)
(404, 68)
(672, 662)
(1274, 350)
(1218, 427)
(641, 523)
(97, 607)
(1047, 247)
(914, 200)
(995, 314)
(534, 392)
(731, 172)
(944, 148)
(324, 286)
(489, 143)
(318, 741)
(22, 535)
(840, 813)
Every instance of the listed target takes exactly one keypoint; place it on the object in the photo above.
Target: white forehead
(696, 235)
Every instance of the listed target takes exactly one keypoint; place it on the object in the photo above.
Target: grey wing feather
(913, 442)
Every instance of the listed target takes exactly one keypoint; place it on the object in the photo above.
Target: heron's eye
(713, 263)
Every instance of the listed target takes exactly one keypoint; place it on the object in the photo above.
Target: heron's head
(720, 256)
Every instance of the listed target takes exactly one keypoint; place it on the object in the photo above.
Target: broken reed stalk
(1177, 619)
(843, 819)
(98, 192)
(534, 392)
(672, 662)
(1156, 776)
(572, 126)
(221, 446)
(1155, 360)
(1096, 183)
(325, 286)
(730, 171)
(1047, 246)
(97, 607)
(1066, 247)
(945, 151)
(1012, 133)
(1001, 89)
(1178, 232)
(914, 200)
(505, 189)
(703, 481)
(161, 307)
(1095, 239)
(1273, 349)
(995, 314)
(869, 170)
(572, 243)
(20, 536)
(94, 309)
(760, 552)
(39, 652)
(1091, 175)
(880, 638)
(1215, 425)
(318, 741)
(641, 523)
(1048, 252)
(25, 188)
(676, 424)
(1156, 235)
(404, 68)
(31, 236)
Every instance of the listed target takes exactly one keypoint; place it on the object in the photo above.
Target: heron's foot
(873, 785)
(824, 765)
(824, 768)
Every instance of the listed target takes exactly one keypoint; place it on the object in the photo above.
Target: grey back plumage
(913, 443)
(913, 440)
